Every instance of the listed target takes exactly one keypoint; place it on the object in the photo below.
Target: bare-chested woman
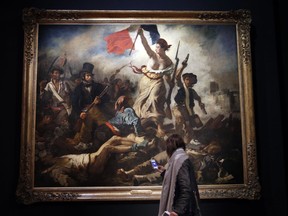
(150, 102)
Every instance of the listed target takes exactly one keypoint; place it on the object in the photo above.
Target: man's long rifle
(79, 122)
(172, 84)
(105, 90)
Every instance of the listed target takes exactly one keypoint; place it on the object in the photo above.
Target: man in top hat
(88, 93)
(56, 96)
(185, 116)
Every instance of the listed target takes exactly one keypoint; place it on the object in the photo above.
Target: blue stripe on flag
(153, 31)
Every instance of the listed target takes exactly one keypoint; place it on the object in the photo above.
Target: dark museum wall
(269, 66)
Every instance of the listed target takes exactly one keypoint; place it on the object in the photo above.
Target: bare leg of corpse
(115, 144)
(63, 168)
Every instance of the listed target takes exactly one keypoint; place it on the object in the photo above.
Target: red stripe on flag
(118, 42)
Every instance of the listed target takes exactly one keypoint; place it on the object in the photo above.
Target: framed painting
(102, 90)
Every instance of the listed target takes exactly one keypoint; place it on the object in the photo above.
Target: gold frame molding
(33, 17)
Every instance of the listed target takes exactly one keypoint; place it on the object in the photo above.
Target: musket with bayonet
(172, 84)
(112, 77)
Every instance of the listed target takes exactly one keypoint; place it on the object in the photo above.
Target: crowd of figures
(92, 132)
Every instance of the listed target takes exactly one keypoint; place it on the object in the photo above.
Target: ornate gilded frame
(27, 192)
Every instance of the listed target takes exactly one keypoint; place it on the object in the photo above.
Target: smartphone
(154, 163)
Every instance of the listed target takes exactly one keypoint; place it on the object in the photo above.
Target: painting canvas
(99, 107)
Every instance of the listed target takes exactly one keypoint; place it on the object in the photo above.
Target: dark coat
(185, 201)
(180, 97)
(81, 98)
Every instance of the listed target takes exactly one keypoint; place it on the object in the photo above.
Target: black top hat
(87, 68)
(193, 76)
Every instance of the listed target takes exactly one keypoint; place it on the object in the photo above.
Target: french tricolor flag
(118, 42)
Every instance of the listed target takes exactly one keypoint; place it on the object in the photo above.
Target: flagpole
(133, 44)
